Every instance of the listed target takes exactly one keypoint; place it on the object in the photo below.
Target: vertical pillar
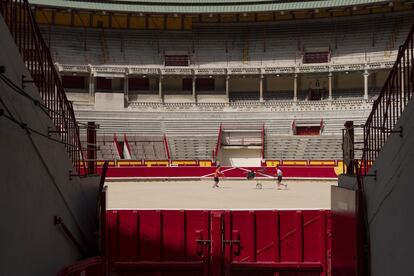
(91, 147)
(348, 147)
(330, 85)
(261, 87)
(126, 88)
(295, 87)
(227, 87)
(160, 88)
(365, 74)
(91, 87)
(194, 88)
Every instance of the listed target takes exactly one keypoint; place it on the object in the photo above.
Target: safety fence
(389, 105)
(36, 56)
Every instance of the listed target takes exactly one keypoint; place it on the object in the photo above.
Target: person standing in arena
(279, 175)
(217, 174)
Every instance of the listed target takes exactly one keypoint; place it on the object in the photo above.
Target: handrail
(37, 58)
(127, 144)
(118, 147)
(381, 123)
(167, 150)
(263, 142)
(218, 144)
(389, 105)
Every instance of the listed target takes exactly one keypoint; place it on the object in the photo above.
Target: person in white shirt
(279, 175)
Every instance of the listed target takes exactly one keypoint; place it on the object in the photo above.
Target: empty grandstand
(164, 98)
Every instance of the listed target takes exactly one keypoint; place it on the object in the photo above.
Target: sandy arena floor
(232, 194)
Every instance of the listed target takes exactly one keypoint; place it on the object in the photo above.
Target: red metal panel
(198, 238)
(112, 236)
(287, 223)
(174, 242)
(173, 235)
(313, 236)
(150, 243)
(127, 236)
(216, 243)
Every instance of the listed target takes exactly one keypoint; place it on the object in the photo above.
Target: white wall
(240, 157)
(390, 200)
(109, 101)
(35, 184)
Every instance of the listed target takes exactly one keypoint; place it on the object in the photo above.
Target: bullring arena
(117, 116)
(236, 194)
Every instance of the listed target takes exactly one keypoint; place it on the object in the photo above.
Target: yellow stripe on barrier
(295, 162)
(177, 163)
(272, 163)
(322, 162)
(156, 163)
(129, 163)
(204, 163)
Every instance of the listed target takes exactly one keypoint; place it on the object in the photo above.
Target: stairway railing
(37, 58)
(388, 107)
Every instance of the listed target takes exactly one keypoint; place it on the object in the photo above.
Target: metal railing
(36, 56)
(390, 104)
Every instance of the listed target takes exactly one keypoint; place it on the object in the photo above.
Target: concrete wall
(109, 101)
(35, 184)
(351, 80)
(279, 83)
(172, 84)
(247, 84)
(390, 202)
(240, 157)
(314, 81)
(380, 78)
(220, 84)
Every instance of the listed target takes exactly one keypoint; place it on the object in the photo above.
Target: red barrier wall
(178, 242)
(195, 171)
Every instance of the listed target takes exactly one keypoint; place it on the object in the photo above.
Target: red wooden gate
(176, 242)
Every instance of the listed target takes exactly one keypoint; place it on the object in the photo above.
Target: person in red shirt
(217, 174)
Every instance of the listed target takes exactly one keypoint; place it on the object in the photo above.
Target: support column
(261, 87)
(160, 88)
(330, 85)
(227, 88)
(91, 87)
(194, 88)
(365, 74)
(295, 87)
(126, 88)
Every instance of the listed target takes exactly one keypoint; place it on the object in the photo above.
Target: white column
(194, 88)
(261, 87)
(160, 88)
(295, 87)
(126, 87)
(91, 87)
(365, 74)
(227, 87)
(330, 85)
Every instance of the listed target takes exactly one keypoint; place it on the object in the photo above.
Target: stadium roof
(201, 6)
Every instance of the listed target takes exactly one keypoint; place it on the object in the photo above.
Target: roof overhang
(202, 6)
